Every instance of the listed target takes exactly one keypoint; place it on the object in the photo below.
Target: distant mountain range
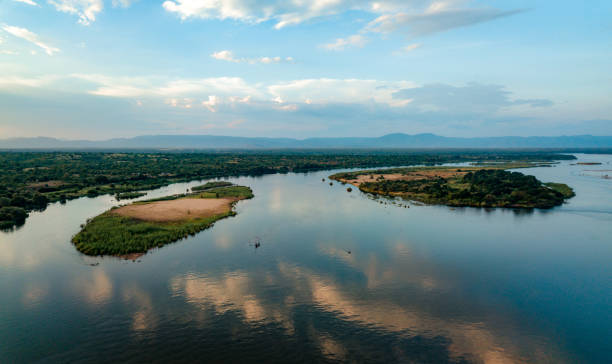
(387, 141)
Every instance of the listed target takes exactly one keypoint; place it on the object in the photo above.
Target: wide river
(338, 277)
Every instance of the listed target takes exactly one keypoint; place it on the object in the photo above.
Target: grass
(112, 234)
(562, 188)
(210, 185)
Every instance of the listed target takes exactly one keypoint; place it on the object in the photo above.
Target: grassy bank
(113, 234)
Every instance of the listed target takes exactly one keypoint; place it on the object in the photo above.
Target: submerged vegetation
(129, 195)
(114, 234)
(31, 180)
(212, 184)
(466, 186)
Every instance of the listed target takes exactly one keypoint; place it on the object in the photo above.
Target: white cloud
(31, 37)
(153, 87)
(214, 92)
(331, 90)
(420, 16)
(228, 56)
(283, 12)
(29, 2)
(86, 10)
(211, 103)
(224, 56)
(342, 43)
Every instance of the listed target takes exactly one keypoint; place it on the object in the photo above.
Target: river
(339, 276)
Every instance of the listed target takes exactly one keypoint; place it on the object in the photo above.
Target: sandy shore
(176, 210)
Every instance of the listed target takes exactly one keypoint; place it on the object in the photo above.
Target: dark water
(421, 284)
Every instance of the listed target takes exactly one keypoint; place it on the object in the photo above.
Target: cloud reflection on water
(247, 294)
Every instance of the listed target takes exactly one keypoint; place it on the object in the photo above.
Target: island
(472, 186)
(133, 229)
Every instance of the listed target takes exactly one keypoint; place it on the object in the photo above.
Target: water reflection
(95, 287)
(277, 298)
(338, 277)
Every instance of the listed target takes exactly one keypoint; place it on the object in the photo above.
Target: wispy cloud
(29, 2)
(413, 17)
(86, 10)
(228, 56)
(434, 21)
(31, 37)
(339, 44)
(283, 12)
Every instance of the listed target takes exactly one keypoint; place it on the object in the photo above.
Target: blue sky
(97, 69)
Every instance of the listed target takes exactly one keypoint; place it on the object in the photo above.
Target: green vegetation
(209, 185)
(224, 192)
(31, 180)
(454, 186)
(241, 192)
(11, 215)
(112, 234)
(562, 188)
(129, 195)
(109, 234)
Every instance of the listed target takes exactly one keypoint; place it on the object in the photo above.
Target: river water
(339, 276)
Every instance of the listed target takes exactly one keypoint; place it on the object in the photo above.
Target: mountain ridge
(394, 140)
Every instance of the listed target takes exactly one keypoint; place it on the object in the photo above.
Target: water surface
(338, 277)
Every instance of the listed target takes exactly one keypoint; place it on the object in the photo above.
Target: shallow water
(420, 284)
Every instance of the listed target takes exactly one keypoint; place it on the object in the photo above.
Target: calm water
(421, 284)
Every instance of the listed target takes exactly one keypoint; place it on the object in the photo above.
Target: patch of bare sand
(409, 176)
(176, 210)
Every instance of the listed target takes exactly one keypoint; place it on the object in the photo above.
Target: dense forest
(31, 180)
(482, 188)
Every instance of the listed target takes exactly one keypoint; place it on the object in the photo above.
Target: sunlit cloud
(31, 37)
(29, 2)
(86, 10)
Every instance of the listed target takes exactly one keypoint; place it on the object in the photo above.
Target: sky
(98, 69)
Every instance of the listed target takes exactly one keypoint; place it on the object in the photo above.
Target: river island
(138, 227)
(470, 186)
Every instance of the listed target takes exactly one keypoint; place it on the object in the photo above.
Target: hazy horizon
(102, 69)
(101, 139)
